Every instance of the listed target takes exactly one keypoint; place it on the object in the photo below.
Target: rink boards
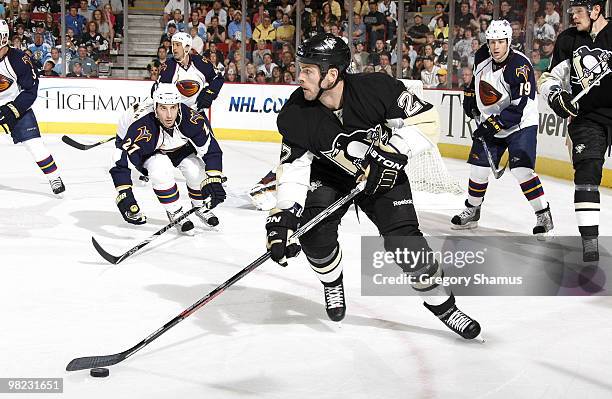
(248, 112)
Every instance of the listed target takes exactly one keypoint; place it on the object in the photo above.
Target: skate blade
(548, 236)
(479, 338)
(467, 226)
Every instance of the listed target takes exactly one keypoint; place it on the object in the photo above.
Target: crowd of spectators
(271, 29)
(91, 29)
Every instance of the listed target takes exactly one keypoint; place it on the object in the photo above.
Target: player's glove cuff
(9, 114)
(561, 103)
(130, 211)
(212, 189)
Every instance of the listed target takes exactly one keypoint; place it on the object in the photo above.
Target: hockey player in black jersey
(335, 130)
(582, 54)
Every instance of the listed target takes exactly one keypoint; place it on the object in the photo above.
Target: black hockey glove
(470, 106)
(8, 117)
(280, 225)
(205, 99)
(212, 190)
(488, 128)
(382, 170)
(129, 207)
(561, 102)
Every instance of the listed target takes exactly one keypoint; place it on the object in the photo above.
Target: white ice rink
(268, 336)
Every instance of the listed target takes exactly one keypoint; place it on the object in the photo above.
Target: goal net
(427, 171)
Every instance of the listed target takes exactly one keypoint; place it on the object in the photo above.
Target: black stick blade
(82, 363)
(73, 143)
(108, 257)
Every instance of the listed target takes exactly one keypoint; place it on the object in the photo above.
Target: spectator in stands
(162, 55)
(518, 38)
(277, 75)
(251, 72)
(429, 73)
(52, 26)
(441, 31)
(153, 70)
(11, 11)
(231, 76)
(77, 71)
(40, 50)
(200, 26)
(87, 63)
(23, 36)
(234, 29)
(542, 30)
(168, 46)
(48, 69)
(267, 66)
(379, 48)
(327, 17)
(375, 25)
(360, 57)
(466, 77)
(16, 43)
(212, 48)
(56, 57)
(465, 18)
(215, 32)
(506, 11)
(265, 30)
(552, 16)
(313, 27)
(24, 19)
(278, 20)
(177, 19)
(546, 51)
(109, 17)
(98, 42)
(84, 10)
(286, 59)
(75, 21)
(172, 5)
(217, 63)
(170, 31)
(418, 32)
(438, 13)
(286, 32)
(259, 14)
(288, 78)
(260, 78)
(216, 11)
(482, 37)
(389, 9)
(442, 75)
(384, 65)
(47, 36)
(197, 43)
(334, 7)
(486, 11)
(536, 60)
(359, 29)
(104, 27)
(406, 70)
(469, 61)
(464, 46)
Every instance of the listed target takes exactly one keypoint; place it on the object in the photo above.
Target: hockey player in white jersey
(165, 134)
(18, 91)
(195, 77)
(502, 96)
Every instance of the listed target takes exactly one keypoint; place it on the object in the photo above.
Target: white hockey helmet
(185, 39)
(499, 29)
(166, 93)
(5, 32)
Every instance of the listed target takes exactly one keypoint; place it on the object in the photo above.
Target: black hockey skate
(186, 227)
(544, 224)
(334, 299)
(207, 217)
(590, 249)
(57, 185)
(455, 319)
(467, 219)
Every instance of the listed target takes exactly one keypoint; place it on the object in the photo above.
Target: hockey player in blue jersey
(196, 78)
(503, 98)
(18, 91)
(169, 135)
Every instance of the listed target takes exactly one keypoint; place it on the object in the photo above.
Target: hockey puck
(99, 372)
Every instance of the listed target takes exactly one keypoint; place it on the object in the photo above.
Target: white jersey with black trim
(506, 90)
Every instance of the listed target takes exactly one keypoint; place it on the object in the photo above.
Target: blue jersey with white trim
(506, 90)
(145, 137)
(18, 80)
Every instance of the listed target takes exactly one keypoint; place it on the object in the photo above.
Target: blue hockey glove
(8, 117)
(488, 128)
(205, 99)
(470, 106)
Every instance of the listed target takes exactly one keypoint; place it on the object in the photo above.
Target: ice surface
(268, 336)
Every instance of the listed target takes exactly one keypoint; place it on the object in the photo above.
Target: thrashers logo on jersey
(188, 88)
(5, 83)
(524, 71)
(589, 64)
(143, 134)
(488, 94)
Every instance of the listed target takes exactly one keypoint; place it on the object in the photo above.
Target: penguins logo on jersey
(589, 64)
(188, 88)
(349, 150)
(5, 83)
(488, 94)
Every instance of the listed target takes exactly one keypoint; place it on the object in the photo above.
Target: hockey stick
(82, 363)
(496, 172)
(80, 146)
(589, 87)
(116, 259)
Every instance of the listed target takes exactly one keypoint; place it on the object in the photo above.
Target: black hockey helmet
(588, 4)
(326, 51)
